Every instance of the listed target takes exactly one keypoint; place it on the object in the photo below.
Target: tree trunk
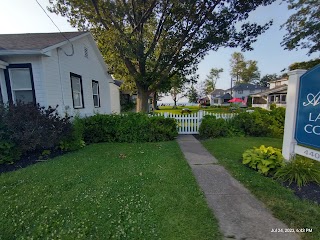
(175, 102)
(154, 101)
(142, 100)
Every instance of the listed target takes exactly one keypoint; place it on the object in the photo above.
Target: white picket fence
(190, 123)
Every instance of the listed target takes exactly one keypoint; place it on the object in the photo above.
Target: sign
(308, 109)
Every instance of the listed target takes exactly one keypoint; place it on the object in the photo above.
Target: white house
(276, 94)
(220, 97)
(64, 69)
(243, 90)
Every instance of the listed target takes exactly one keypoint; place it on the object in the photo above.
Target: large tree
(242, 70)
(157, 39)
(304, 65)
(303, 27)
(266, 79)
(211, 80)
(192, 94)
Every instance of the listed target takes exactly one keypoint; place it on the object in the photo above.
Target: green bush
(211, 127)
(260, 123)
(130, 127)
(8, 152)
(74, 140)
(162, 129)
(300, 170)
(266, 160)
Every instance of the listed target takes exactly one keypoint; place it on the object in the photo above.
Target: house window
(95, 92)
(216, 101)
(272, 98)
(240, 91)
(77, 92)
(20, 81)
(278, 83)
(283, 98)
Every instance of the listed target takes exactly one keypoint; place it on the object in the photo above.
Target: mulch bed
(26, 161)
(309, 192)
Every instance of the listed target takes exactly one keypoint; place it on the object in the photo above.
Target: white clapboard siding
(190, 123)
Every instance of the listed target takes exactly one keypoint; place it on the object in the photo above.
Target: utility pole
(231, 87)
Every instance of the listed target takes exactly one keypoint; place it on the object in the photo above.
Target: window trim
(99, 102)
(82, 100)
(8, 80)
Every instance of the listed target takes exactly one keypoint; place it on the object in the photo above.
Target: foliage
(8, 152)
(266, 79)
(304, 65)
(260, 122)
(154, 40)
(177, 87)
(192, 94)
(303, 26)
(32, 128)
(300, 170)
(266, 160)
(130, 127)
(243, 71)
(74, 140)
(162, 129)
(211, 80)
(211, 127)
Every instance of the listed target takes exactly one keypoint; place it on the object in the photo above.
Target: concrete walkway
(240, 214)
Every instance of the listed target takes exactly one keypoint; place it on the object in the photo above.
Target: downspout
(59, 66)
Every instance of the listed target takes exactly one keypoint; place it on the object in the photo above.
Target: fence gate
(190, 123)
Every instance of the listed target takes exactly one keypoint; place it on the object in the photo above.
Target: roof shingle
(34, 41)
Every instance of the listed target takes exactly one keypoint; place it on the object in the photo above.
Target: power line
(58, 30)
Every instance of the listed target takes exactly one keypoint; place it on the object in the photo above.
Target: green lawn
(107, 191)
(282, 202)
(194, 109)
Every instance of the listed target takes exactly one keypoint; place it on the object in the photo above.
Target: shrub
(266, 160)
(273, 106)
(162, 129)
(212, 127)
(130, 127)
(33, 128)
(74, 140)
(8, 152)
(260, 122)
(300, 170)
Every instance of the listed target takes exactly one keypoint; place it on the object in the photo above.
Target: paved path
(240, 214)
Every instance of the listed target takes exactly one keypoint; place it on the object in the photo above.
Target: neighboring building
(243, 90)
(64, 69)
(276, 94)
(220, 97)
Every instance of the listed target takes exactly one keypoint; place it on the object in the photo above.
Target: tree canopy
(154, 40)
(303, 27)
(211, 80)
(242, 70)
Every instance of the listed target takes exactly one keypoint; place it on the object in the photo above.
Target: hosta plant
(266, 160)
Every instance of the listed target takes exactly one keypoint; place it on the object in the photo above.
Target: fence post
(165, 114)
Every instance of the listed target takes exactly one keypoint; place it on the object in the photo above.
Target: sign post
(302, 123)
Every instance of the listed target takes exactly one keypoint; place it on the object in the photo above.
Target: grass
(194, 109)
(107, 191)
(281, 201)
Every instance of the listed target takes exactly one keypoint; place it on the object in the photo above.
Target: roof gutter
(22, 52)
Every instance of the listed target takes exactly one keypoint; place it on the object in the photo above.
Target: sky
(26, 16)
